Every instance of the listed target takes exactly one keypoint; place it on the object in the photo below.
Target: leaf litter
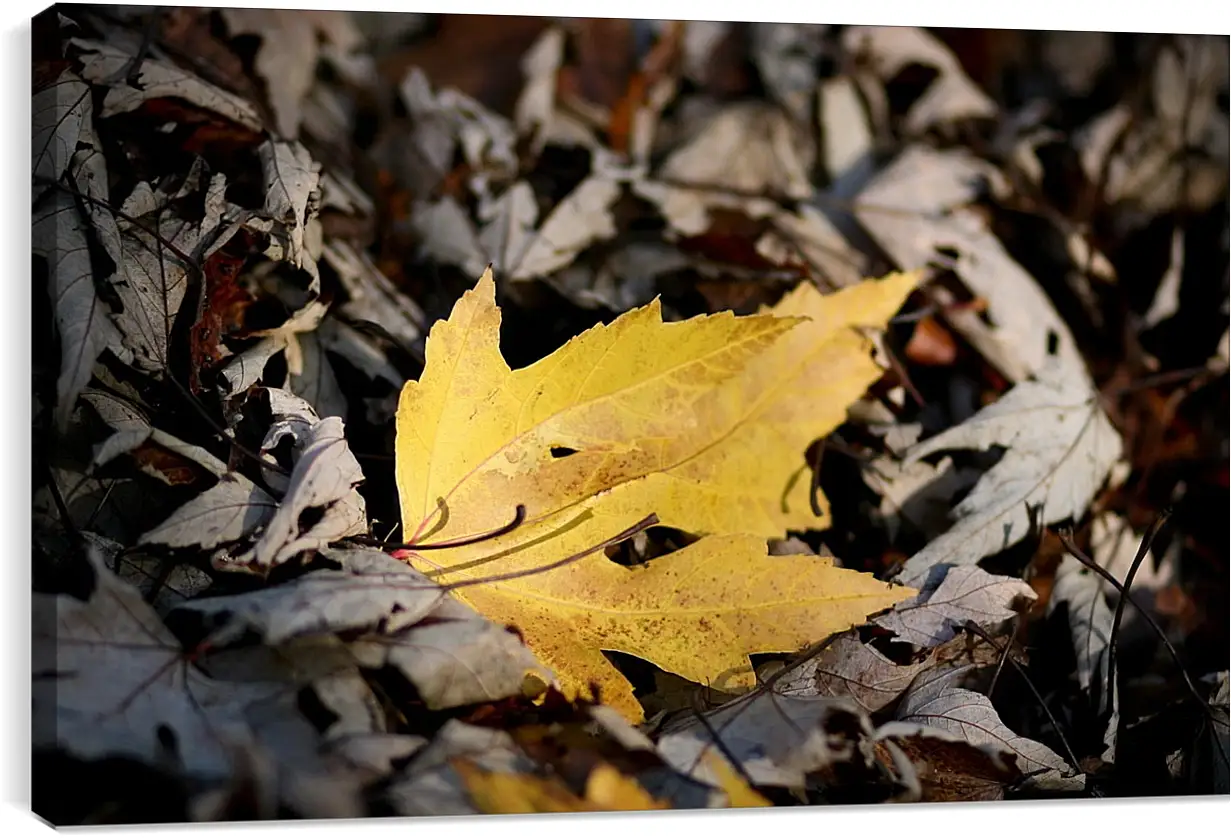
(566, 437)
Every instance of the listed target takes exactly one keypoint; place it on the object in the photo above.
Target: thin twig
(721, 745)
(974, 627)
(1143, 550)
(1005, 656)
(1076, 552)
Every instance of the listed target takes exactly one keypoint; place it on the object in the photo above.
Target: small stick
(974, 627)
(1143, 550)
(1076, 552)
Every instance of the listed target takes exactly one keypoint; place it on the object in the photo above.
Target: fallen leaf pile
(443, 415)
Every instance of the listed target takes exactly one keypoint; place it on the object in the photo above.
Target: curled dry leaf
(448, 120)
(324, 478)
(1114, 544)
(290, 47)
(947, 767)
(951, 96)
(1060, 447)
(694, 422)
(248, 367)
(292, 197)
(849, 668)
(777, 739)
(582, 218)
(787, 55)
(950, 597)
(918, 210)
(315, 380)
(917, 494)
(536, 106)
(971, 716)
(375, 755)
(133, 430)
(106, 64)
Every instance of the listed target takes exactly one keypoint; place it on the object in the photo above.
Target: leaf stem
(644, 524)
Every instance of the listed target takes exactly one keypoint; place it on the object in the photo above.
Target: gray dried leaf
(324, 478)
(116, 508)
(807, 235)
(456, 661)
(162, 582)
(787, 56)
(132, 429)
(743, 150)
(371, 591)
(110, 679)
(373, 298)
(1060, 449)
(508, 226)
(151, 283)
(246, 369)
(82, 319)
(1082, 593)
(448, 119)
(286, 407)
(1114, 544)
(778, 739)
(287, 57)
(846, 130)
(533, 114)
(230, 510)
(951, 96)
(57, 115)
(315, 381)
(950, 596)
(448, 235)
(583, 217)
(849, 668)
(262, 784)
(105, 64)
(360, 351)
(292, 197)
(917, 493)
(971, 716)
(374, 754)
(149, 574)
(918, 208)
(430, 786)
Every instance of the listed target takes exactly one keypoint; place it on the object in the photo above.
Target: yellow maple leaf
(500, 793)
(703, 423)
(739, 794)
